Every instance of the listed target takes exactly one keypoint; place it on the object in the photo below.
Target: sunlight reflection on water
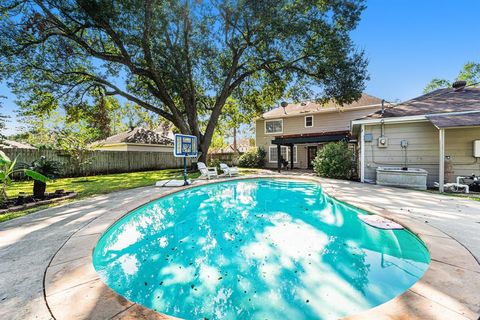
(256, 249)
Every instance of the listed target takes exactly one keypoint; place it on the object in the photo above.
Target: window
(285, 152)
(308, 121)
(274, 126)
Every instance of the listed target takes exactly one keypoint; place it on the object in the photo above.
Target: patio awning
(311, 138)
(455, 120)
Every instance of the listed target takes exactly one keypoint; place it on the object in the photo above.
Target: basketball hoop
(185, 146)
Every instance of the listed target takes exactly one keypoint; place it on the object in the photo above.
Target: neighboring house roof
(242, 146)
(138, 135)
(10, 144)
(439, 101)
(311, 107)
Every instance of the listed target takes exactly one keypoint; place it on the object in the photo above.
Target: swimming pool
(256, 249)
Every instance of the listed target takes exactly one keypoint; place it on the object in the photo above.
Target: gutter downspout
(362, 153)
(441, 173)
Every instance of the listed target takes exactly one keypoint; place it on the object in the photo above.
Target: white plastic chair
(231, 171)
(206, 171)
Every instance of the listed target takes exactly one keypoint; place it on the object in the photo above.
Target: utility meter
(382, 142)
(404, 143)
(476, 148)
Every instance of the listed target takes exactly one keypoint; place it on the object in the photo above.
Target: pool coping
(447, 290)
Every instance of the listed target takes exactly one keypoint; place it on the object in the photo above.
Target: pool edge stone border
(447, 290)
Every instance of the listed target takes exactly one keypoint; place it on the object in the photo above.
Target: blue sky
(407, 42)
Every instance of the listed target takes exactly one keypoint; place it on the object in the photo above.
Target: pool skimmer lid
(379, 222)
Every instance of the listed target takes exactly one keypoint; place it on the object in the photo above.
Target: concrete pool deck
(46, 270)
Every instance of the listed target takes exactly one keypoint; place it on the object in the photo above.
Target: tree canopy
(470, 73)
(181, 59)
(3, 120)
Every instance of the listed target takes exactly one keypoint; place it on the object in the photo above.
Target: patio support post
(441, 173)
(291, 156)
(279, 155)
(362, 153)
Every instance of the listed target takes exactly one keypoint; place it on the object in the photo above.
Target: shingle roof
(138, 135)
(242, 145)
(314, 107)
(438, 101)
(455, 120)
(10, 144)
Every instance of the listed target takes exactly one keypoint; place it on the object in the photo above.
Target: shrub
(50, 169)
(334, 160)
(253, 158)
(215, 163)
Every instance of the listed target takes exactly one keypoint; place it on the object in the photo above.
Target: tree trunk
(204, 150)
(39, 188)
(235, 149)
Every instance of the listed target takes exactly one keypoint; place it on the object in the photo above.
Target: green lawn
(94, 185)
(101, 184)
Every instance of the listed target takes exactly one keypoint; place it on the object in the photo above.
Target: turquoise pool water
(256, 249)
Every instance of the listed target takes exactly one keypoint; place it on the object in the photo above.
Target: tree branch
(118, 91)
(123, 59)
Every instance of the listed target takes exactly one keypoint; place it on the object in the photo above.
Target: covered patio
(310, 140)
(443, 122)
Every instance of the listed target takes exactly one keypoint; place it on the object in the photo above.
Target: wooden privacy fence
(103, 162)
(229, 158)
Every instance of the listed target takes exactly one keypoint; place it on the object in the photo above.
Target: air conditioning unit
(382, 142)
(476, 148)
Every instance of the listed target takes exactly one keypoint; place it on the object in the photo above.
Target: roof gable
(310, 107)
(138, 135)
(439, 101)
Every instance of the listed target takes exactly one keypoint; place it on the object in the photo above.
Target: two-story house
(296, 131)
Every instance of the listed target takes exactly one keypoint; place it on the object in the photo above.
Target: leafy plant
(3, 120)
(253, 158)
(76, 144)
(334, 160)
(214, 163)
(8, 168)
(49, 168)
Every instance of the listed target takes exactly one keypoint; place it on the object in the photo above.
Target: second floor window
(274, 126)
(308, 121)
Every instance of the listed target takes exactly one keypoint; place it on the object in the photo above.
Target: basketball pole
(185, 181)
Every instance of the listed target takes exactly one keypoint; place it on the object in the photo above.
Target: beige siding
(322, 122)
(423, 149)
(135, 147)
(115, 147)
(459, 146)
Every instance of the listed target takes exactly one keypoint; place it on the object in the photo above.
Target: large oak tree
(181, 59)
